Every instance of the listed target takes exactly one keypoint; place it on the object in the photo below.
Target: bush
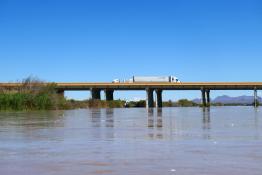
(105, 104)
(31, 95)
(186, 103)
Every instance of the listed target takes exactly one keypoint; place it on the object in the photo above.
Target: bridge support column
(95, 93)
(109, 94)
(204, 103)
(255, 98)
(159, 98)
(208, 97)
(61, 93)
(149, 98)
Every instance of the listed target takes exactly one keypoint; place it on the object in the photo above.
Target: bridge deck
(143, 86)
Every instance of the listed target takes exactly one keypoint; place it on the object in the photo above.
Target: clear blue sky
(99, 40)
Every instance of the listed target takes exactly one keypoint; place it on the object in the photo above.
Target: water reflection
(150, 118)
(109, 123)
(206, 118)
(159, 120)
(256, 123)
(206, 123)
(109, 117)
(32, 126)
(32, 119)
(98, 117)
(95, 117)
(103, 123)
(132, 141)
(155, 123)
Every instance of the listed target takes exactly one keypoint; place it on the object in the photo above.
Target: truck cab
(174, 79)
(116, 81)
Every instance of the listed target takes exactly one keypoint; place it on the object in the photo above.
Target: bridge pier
(208, 97)
(95, 94)
(255, 98)
(159, 98)
(109, 94)
(204, 102)
(149, 98)
(205, 97)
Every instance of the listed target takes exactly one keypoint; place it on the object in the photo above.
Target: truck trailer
(141, 79)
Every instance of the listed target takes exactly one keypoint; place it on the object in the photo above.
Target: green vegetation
(169, 103)
(32, 95)
(73, 104)
(180, 103)
(136, 104)
(186, 103)
(105, 104)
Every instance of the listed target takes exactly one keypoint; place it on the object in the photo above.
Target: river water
(184, 141)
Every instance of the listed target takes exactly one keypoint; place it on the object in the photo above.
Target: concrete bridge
(150, 88)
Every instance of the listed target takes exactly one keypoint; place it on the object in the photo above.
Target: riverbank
(47, 99)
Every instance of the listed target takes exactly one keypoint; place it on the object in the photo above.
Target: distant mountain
(231, 100)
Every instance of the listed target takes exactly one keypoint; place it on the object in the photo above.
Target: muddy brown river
(184, 141)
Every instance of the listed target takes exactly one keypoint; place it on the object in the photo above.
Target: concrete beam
(159, 103)
(149, 98)
(95, 94)
(109, 94)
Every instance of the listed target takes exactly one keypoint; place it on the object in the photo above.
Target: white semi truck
(170, 79)
(141, 79)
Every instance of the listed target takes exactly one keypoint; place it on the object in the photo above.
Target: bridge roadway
(109, 88)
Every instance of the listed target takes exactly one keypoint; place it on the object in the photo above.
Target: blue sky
(99, 40)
